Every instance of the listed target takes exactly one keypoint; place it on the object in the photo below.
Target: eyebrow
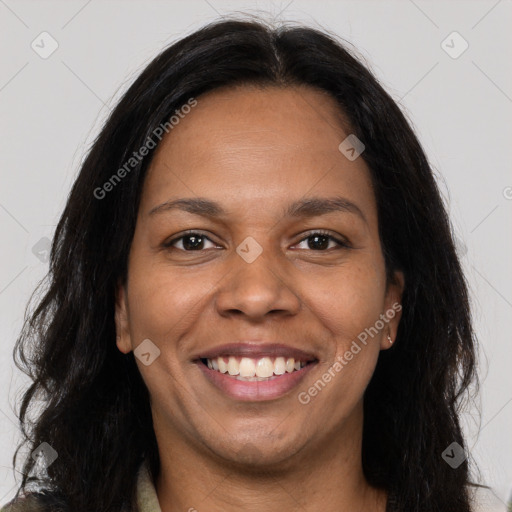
(307, 207)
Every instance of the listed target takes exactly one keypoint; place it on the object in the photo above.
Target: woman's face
(254, 273)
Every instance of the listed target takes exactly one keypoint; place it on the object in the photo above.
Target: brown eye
(319, 241)
(192, 241)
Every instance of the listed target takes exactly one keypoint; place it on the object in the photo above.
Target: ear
(123, 339)
(393, 309)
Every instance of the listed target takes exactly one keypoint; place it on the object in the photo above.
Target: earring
(390, 340)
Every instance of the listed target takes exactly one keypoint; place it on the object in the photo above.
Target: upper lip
(256, 350)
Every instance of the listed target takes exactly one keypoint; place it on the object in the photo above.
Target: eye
(192, 241)
(320, 241)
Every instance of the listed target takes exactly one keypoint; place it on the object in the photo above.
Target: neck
(318, 477)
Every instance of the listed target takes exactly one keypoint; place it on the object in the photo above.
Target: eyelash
(341, 243)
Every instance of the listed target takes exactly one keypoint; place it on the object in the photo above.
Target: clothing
(484, 500)
(147, 499)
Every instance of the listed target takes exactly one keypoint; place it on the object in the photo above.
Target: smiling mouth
(250, 369)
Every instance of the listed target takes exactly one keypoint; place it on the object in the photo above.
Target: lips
(256, 350)
(271, 388)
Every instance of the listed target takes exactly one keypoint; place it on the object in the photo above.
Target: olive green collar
(147, 499)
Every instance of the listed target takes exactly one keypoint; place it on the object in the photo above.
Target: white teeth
(265, 367)
(233, 366)
(223, 367)
(247, 368)
(279, 366)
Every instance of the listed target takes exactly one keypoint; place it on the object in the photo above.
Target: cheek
(348, 300)
(162, 300)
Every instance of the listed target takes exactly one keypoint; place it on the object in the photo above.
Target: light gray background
(51, 109)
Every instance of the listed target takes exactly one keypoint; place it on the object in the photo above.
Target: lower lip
(256, 391)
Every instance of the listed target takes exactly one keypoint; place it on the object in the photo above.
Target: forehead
(253, 146)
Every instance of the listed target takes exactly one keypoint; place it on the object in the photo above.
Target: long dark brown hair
(87, 399)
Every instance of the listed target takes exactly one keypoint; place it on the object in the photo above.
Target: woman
(255, 301)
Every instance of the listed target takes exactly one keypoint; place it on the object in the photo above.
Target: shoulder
(484, 499)
(28, 504)
(35, 502)
(49, 501)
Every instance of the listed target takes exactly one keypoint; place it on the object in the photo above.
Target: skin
(254, 151)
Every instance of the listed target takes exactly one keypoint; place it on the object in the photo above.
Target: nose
(256, 289)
